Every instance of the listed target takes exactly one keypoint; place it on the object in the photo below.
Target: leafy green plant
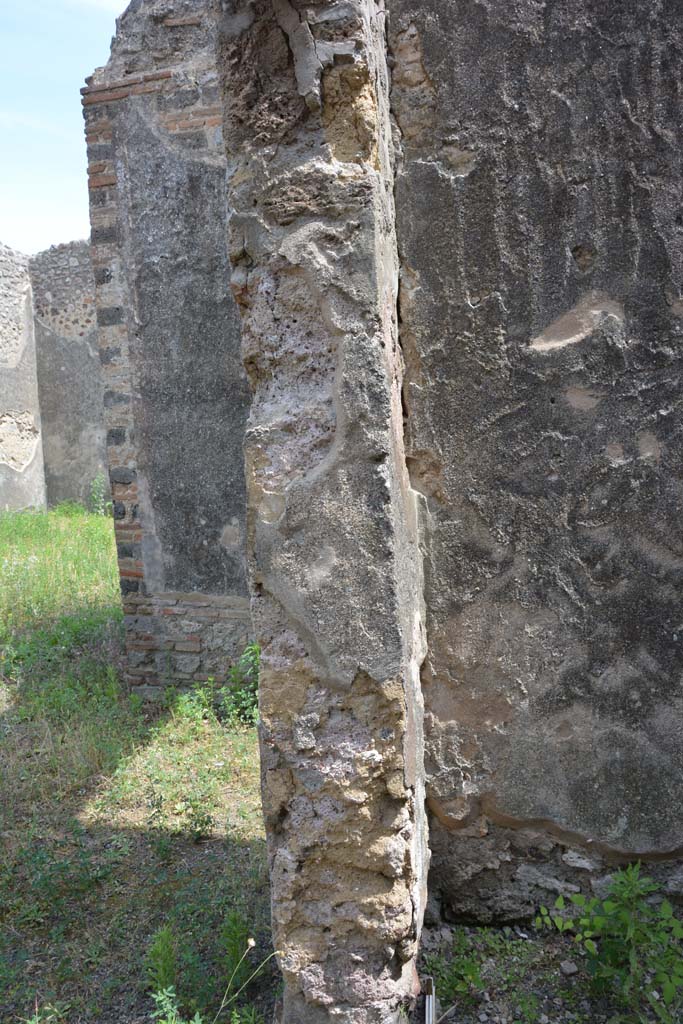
(527, 1007)
(241, 974)
(97, 498)
(200, 821)
(167, 1012)
(246, 1015)
(161, 963)
(238, 701)
(457, 974)
(198, 704)
(633, 944)
(166, 1009)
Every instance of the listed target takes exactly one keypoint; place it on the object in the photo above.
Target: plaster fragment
(578, 323)
(19, 438)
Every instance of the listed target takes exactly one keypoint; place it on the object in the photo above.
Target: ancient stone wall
(462, 493)
(175, 393)
(540, 233)
(335, 569)
(69, 373)
(22, 480)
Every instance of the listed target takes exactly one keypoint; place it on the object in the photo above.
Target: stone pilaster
(334, 562)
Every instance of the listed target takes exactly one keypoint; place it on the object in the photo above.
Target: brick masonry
(175, 397)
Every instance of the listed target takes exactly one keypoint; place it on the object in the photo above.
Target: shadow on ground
(114, 823)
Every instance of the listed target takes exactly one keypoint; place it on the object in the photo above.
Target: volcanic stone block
(69, 373)
(335, 568)
(539, 219)
(22, 480)
(175, 391)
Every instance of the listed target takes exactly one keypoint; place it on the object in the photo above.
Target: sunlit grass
(55, 564)
(192, 776)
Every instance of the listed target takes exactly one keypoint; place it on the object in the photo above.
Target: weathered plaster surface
(176, 394)
(484, 463)
(540, 232)
(22, 482)
(70, 387)
(335, 570)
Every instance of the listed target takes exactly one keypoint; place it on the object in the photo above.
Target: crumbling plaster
(333, 546)
(70, 386)
(22, 481)
(543, 346)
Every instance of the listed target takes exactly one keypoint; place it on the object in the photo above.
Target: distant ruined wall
(69, 373)
(540, 231)
(22, 479)
(175, 393)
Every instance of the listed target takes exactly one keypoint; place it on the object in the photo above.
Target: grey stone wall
(540, 233)
(22, 481)
(335, 569)
(70, 386)
(488, 457)
(175, 392)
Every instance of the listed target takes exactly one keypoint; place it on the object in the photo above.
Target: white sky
(47, 48)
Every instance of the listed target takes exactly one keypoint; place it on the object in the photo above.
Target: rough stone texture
(532, 152)
(175, 393)
(541, 240)
(22, 481)
(332, 538)
(69, 373)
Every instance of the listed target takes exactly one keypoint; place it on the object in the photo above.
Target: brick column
(175, 396)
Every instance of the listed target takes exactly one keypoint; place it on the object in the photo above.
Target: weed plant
(98, 498)
(633, 942)
(240, 972)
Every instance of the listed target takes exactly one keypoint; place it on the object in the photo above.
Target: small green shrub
(97, 499)
(166, 1009)
(233, 704)
(198, 704)
(238, 701)
(457, 975)
(161, 963)
(167, 1012)
(633, 945)
(200, 822)
(246, 1015)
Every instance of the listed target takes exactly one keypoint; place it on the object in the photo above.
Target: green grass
(54, 565)
(114, 823)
